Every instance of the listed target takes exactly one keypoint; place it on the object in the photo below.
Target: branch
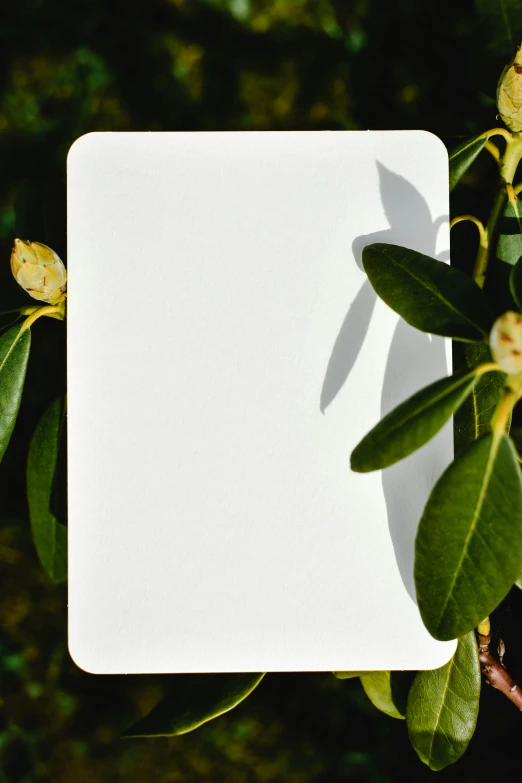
(495, 673)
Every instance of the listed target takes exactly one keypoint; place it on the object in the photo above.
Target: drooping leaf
(429, 294)
(472, 419)
(347, 675)
(468, 549)
(412, 424)
(461, 158)
(377, 686)
(443, 706)
(15, 344)
(194, 700)
(49, 535)
(515, 283)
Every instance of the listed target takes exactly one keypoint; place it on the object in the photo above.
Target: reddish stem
(496, 675)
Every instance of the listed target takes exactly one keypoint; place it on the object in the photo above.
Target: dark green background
(72, 67)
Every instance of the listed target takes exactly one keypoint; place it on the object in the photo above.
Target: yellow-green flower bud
(509, 93)
(39, 270)
(506, 342)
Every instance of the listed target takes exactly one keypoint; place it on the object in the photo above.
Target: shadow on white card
(215, 396)
(415, 360)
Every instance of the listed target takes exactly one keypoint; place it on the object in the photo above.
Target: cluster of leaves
(468, 548)
(44, 481)
(441, 706)
(469, 542)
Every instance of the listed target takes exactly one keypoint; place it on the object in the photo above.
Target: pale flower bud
(39, 270)
(509, 93)
(506, 342)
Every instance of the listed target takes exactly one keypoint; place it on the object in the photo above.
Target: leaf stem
(471, 219)
(493, 150)
(493, 671)
(487, 367)
(21, 310)
(508, 167)
(497, 132)
(503, 411)
(53, 311)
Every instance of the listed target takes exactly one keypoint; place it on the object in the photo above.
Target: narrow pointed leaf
(15, 344)
(461, 158)
(50, 537)
(195, 699)
(468, 549)
(429, 294)
(412, 424)
(377, 686)
(443, 706)
(473, 418)
(515, 283)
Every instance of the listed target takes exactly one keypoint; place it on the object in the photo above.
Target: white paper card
(225, 355)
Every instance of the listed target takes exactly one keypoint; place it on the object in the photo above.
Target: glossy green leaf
(473, 418)
(518, 582)
(50, 537)
(429, 294)
(509, 243)
(377, 686)
(15, 344)
(515, 283)
(443, 707)
(461, 158)
(194, 700)
(412, 424)
(468, 549)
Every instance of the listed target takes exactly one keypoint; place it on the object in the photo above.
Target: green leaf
(195, 699)
(515, 283)
(50, 537)
(468, 549)
(429, 294)
(377, 686)
(15, 344)
(461, 158)
(412, 424)
(347, 675)
(473, 418)
(509, 244)
(443, 707)
(518, 582)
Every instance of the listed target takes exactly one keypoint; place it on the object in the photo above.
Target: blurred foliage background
(68, 68)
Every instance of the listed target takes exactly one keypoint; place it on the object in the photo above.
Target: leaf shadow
(411, 225)
(414, 360)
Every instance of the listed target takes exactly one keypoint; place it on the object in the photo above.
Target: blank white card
(225, 355)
